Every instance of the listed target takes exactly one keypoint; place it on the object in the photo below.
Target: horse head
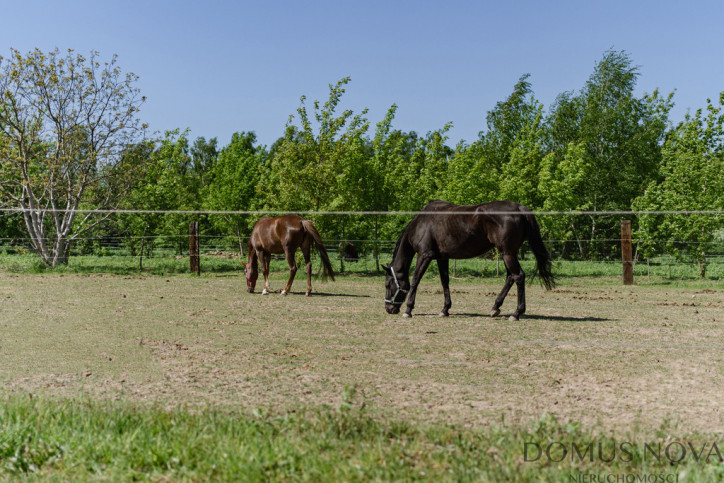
(396, 288)
(251, 275)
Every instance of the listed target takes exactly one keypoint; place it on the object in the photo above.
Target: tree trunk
(341, 253)
(140, 259)
(377, 250)
(591, 246)
(61, 251)
(59, 254)
(241, 242)
(579, 242)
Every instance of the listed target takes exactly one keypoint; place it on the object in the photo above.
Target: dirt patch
(596, 354)
(691, 304)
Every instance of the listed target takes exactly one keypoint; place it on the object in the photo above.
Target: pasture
(615, 359)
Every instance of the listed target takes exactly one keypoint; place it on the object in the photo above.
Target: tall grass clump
(44, 438)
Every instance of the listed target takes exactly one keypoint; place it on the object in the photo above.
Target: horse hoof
(495, 313)
(264, 292)
(513, 318)
(443, 314)
(308, 294)
(284, 292)
(406, 315)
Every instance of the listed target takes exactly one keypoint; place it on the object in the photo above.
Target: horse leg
(443, 264)
(420, 269)
(503, 293)
(265, 259)
(518, 276)
(292, 269)
(308, 267)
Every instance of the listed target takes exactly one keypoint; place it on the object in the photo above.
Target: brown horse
(465, 232)
(283, 234)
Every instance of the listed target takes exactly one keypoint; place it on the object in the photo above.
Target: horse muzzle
(392, 308)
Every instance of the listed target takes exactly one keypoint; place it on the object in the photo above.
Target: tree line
(71, 138)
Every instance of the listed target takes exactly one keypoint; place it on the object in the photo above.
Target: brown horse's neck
(253, 263)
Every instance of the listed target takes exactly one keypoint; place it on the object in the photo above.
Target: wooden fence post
(194, 258)
(626, 252)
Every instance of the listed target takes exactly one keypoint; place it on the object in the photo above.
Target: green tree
(234, 179)
(692, 178)
(66, 124)
(482, 171)
(473, 178)
(563, 188)
(621, 135)
(203, 158)
(520, 174)
(168, 184)
(507, 120)
(322, 169)
(419, 171)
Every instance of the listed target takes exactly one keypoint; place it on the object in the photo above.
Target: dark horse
(477, 229)
(283, 234)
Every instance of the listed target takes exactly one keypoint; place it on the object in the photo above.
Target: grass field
(331, 387)
(166, 262)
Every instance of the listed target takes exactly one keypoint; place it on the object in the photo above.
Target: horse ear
(385, 267)
(244, 263)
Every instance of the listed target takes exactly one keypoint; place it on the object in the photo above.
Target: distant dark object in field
(474, 231)
(348, 252)
(284, 234)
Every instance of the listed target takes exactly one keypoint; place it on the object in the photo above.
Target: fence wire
(168, 246)
(361, 212)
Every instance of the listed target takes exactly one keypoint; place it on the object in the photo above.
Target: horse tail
(326, 264)
(542, 257)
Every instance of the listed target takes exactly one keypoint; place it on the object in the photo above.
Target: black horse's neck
(403, 255)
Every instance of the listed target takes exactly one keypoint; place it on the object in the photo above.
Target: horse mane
(397, 246)
(399, 240)
(407, 228)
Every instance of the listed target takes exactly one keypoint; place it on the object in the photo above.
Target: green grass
(58, 438)
(117, 265)
(664, 269)
(53, 439)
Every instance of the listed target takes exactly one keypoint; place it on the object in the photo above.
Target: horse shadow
(322, 294)
(327, 294)
(525, 317)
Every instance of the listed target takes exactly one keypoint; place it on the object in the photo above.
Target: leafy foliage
(235, 175)
(692, 178)
(66, 123)
(601, 148)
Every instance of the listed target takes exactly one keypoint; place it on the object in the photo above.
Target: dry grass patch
(590, 351)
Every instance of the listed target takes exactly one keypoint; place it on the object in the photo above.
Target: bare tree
(67, 127)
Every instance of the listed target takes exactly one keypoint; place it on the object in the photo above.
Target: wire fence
(359, 212)
(365, 254)
(170, 253)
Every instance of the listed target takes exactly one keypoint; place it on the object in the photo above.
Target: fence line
(331, 245)
(118, 244)
(117, 240)
(379, 213)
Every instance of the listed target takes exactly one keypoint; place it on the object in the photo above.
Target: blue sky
(218, 67)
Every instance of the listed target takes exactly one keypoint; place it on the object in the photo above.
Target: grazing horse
(472, 232)
(283, 234)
